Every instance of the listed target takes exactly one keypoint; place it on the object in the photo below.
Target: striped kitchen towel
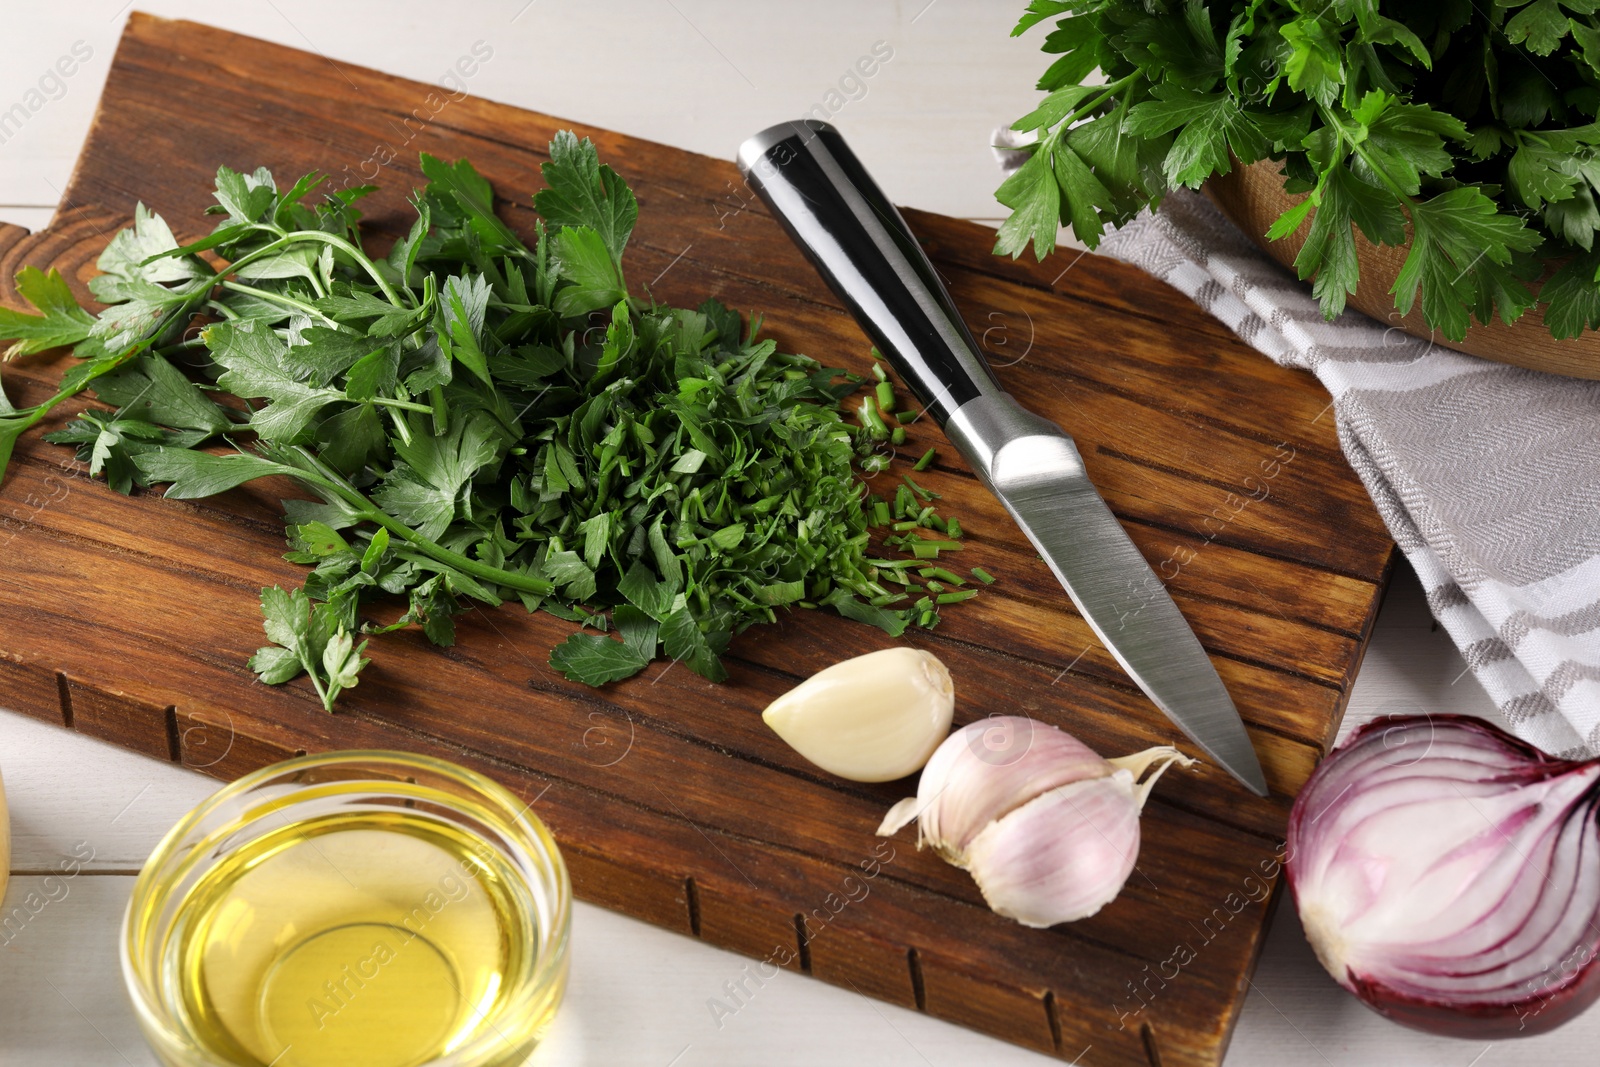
(1488, 476)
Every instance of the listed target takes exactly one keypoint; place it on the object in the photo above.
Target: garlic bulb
(1047, 828)
(873, 718)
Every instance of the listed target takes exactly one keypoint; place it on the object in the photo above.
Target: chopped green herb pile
(1468, 128)
(481, 420)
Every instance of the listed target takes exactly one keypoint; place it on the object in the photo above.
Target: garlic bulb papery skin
(1047, 828)
(1448, 874)
(873, 718)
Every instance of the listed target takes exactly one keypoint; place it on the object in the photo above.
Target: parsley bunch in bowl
(1463, 130)
(478, 419)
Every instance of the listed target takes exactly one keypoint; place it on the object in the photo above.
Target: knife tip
(1249, 774)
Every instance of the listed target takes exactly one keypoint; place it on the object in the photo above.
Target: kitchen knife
(863, 249)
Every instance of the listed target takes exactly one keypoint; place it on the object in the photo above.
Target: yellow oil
(379, 938)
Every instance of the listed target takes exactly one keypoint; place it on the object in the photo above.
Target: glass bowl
(373, 908)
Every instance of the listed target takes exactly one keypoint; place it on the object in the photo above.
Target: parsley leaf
(1329, 253)
(465, 300)
(309, 638)
(595, 659)
(245, 197)
(1574, 298)
(318, 354)
(256, 364)
(467, 197)
(1035, 202)
(137, 256)
(685, 641)
(1211, 129)
(351, 306)
(60, 321)
(423, 490)
(1315, 65)
(153, 390)
(200, 474)
(852, 608)
(1460, 245)
(593, 278)
(583, 192)
(1542, 24)
(109, 446)
(342, 663)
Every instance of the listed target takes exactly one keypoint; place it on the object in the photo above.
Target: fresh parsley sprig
(476, 419)
(1466, 129)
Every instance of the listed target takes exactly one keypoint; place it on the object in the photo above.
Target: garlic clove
(988, 768)
(873, 718)
(1063, 855)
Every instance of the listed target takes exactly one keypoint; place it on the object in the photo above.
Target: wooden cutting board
(132, 619)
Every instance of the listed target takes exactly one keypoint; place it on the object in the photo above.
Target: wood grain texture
(132, 618)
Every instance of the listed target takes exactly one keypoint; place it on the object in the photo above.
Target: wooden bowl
(1253, 197)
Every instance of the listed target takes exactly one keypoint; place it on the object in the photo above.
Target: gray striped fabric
(1487, 476)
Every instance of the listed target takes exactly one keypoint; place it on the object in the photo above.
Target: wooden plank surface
(707, 823)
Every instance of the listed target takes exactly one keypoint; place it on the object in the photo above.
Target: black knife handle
(863, 249)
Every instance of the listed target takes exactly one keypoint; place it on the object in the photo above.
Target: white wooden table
(700, 74)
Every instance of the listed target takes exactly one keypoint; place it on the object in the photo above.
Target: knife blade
(817, 188)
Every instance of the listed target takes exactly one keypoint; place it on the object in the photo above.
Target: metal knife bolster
(1009, 447)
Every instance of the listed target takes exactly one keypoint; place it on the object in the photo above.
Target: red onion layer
(1448, 874)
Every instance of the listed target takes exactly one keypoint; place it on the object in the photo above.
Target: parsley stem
(311, 672)
(403, 405)
(279, 298)
(354, 253)
(1111, 89)
(284, 240)
(401, 430)
(325, 477)
(523, 583)
(1394, 187)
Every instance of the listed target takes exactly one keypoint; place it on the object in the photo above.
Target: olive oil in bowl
(326, 917)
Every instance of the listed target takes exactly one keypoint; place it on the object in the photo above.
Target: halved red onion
(1448, 874)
